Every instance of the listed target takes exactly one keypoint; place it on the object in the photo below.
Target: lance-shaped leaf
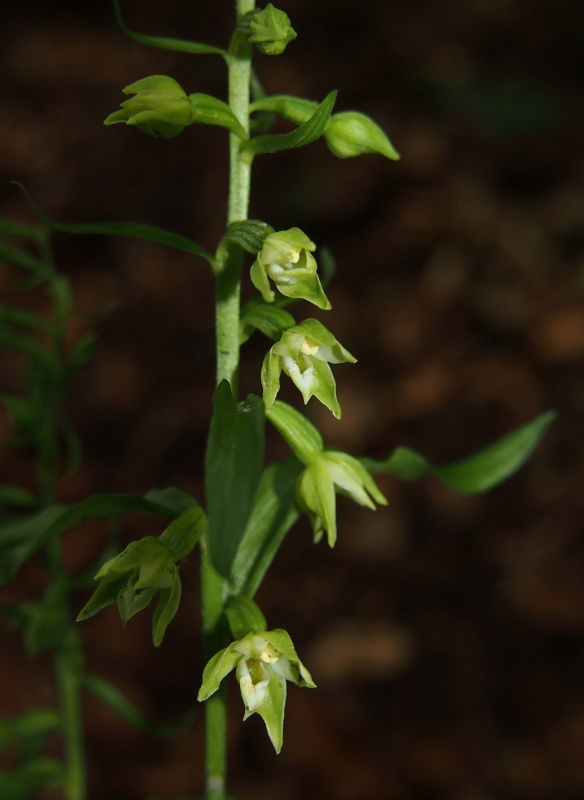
(19, 539)
(165, 42)
(274, 512)
(479, 472)
(233, 463)
(138, 230)
(269, 318)
(304, 134)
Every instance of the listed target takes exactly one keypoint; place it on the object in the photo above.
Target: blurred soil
(446, 634)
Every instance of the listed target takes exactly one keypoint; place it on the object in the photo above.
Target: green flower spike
(304, 353)
(331, 472)
(263, 661)
(159, 107)
(286, 257)
(271, 31)
(144, 569)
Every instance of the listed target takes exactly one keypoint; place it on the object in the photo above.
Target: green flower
(132, 578)
(159, 107)
(263, 661)
(304, 353)
(286, 257)
(329, 473)
(271, 31)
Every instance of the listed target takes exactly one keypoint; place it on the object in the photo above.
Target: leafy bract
(477, 473)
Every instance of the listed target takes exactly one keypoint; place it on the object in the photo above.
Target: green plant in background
(249, 507)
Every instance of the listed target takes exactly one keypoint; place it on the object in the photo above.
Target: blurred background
(446, 635)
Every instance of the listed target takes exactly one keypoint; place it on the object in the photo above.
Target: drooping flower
(160, 107)
(263, 661)
(329, 473)
(286, 258)
(304, 353)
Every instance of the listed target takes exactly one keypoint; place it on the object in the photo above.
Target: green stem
(68, 661)
(227, 308)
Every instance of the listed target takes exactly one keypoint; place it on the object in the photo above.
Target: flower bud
(159, 107)
(350, 133)
(271, 31)
(286, 257)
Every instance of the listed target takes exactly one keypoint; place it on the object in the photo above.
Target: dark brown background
(446, 634)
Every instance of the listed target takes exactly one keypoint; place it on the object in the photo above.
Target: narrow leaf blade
(477, 473)
(274, 512)
(304, 134)
(137, 230)
(233, 462)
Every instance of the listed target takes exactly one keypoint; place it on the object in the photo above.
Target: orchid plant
(249, 507)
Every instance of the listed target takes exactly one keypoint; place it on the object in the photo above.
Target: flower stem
(68, 665)
(227, 308)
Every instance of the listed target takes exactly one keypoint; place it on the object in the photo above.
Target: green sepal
(137, 230)
(304, 134)
(334, 472)
(303, 438)
(350, 133)
(268, 318)
(145, 568)
(476, 474)
(244, 616)
(233, 464)
(304, 353)
(264, 661)
(166, 43)
(286, 258)
(209, 110)
(184, 532)
(249, 234)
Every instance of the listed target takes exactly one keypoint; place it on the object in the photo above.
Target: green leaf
(244, 616)
(210, 110)
(274, 512)
(117, 700)
(138, 230)
(269, 318)
(479, 472)
(233, 463)
(295, 109)
(20, 258)
(24, 782)
(303, 438)
(19, 540)
(166, 43)
(29, 725)
(306, 133)
(15, 496)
